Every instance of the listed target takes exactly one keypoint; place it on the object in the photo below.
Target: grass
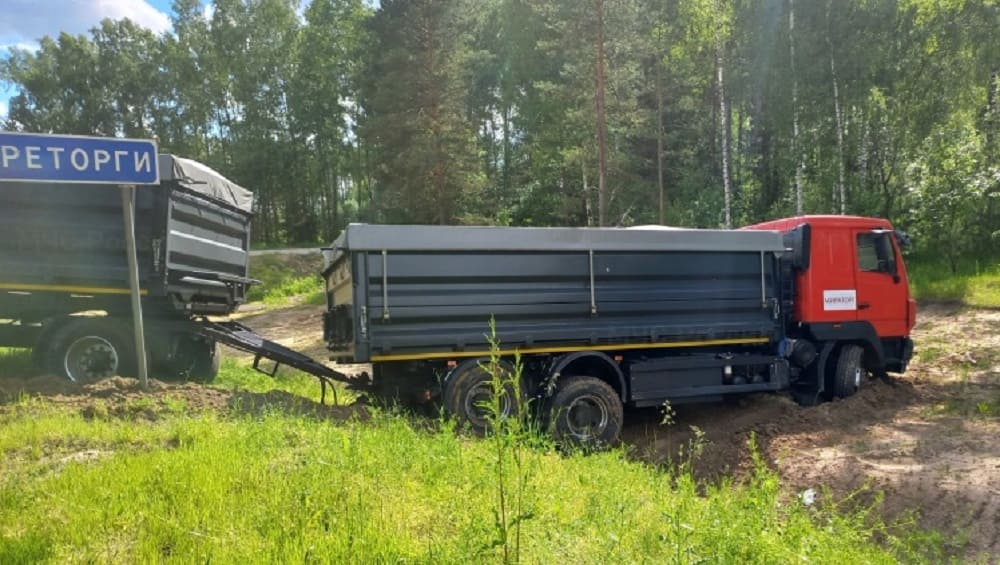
(230, 487)
(238, 375)
(285, 276)
(988, 408)
(16, 361)
(977, 283)
(277, 488)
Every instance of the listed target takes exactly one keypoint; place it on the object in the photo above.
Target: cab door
(881, 292)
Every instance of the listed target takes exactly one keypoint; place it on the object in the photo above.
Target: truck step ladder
(238, 336)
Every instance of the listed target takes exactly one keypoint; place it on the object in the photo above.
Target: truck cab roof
(822, 220)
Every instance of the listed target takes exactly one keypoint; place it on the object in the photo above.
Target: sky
(24, 22)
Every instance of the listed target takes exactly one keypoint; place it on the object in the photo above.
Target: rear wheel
(85, 350)
(850, 371)
(586, 412)
(196, 360)
(468, 395)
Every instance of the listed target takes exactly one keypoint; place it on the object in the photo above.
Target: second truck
(601, 319)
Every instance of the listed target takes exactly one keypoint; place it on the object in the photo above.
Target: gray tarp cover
(201, 178)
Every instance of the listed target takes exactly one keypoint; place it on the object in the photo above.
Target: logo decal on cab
(840, 299)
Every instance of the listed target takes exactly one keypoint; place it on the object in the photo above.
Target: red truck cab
(850, 283)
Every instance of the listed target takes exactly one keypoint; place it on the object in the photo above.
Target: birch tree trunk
(723, 123)
(602, 126)
(841, 186)
(841, 190)
(588, 207)
(796, 148)
(659, 141)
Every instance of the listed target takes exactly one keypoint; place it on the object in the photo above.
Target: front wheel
(850, 371)
(586, 412)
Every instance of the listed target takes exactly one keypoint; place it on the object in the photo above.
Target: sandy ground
(929, 441)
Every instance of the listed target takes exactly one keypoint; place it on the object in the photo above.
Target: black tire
(469, 387)
(206, 368)
(850, 371)
(196, 360)
(586, 412)
(85, 350)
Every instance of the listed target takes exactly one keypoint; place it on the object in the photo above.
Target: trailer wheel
(586, 412)
(850, 371)
(196, 360)
(468, 391)
(85, 350)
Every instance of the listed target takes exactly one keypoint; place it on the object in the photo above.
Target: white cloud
(3, 109)
(26, 21)
(31, 46)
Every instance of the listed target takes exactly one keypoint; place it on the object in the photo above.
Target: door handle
(864, 306)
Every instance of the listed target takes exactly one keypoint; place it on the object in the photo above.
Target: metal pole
(128, 209)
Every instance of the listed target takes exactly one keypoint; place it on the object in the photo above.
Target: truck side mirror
(797, 242)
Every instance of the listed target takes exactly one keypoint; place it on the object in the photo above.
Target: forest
(707, 113)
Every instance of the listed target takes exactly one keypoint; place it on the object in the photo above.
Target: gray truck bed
(420, 292)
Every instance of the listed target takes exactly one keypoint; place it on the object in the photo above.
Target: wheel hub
(478, 404)
(586, 417)
(90, 358)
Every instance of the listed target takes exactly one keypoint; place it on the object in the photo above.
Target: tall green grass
(285, 276)
(977, 283)
(239, 375)
(16, 362)
(281, 489)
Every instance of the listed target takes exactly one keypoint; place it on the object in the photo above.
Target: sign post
(90, 160)
(128, 208)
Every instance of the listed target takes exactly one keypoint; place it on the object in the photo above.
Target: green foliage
(511, 433)
(282, 488)
(973, 282)
(953, 178)
(284, 276)
(462, 111)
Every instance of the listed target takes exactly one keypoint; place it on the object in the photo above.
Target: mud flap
(809, 391)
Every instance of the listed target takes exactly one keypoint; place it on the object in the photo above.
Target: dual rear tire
(585, 412)
(88, 349)
(582, 411)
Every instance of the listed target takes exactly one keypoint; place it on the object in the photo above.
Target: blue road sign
(77, 159)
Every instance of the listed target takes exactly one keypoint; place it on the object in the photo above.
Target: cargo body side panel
(422, 302)
(206, 252)
(62, 250)
(63, 247)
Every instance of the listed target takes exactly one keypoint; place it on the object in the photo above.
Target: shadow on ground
(123, 398)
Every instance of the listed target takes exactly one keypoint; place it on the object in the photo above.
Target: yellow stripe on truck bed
(570, 349)
(65, 288)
